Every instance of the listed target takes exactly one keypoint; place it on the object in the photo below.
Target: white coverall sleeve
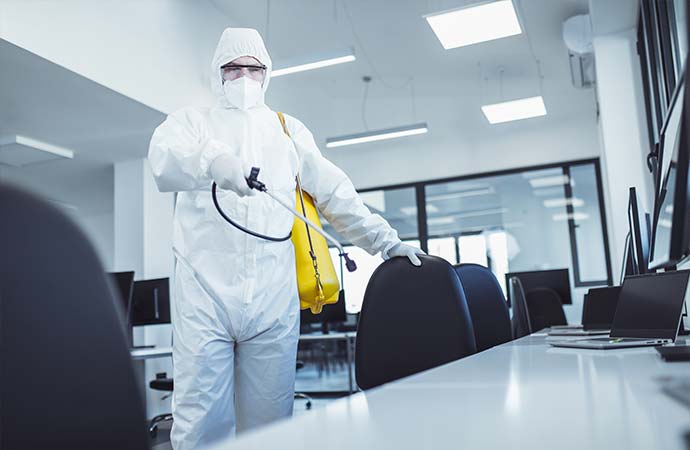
(336, 197)
(181, 152)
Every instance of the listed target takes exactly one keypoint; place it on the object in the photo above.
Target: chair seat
(162, 384)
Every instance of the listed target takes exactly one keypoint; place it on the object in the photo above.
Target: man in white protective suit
(236, 314)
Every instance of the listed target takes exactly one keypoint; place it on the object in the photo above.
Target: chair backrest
(545, 308)
(412, 319)
(67, 375)
(520, 322)
(487, 305)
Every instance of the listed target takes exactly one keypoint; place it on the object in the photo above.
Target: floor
(309, 379)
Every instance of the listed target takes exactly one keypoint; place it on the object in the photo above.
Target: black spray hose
(254, 183)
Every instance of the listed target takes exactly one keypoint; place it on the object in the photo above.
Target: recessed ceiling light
(18, 151)
(412, 210)
(461, 194)
(440, 221)
(559, 202)
(312, 65)
(475, 23)
(568, 216)
(556, 180)
(378, 135)
(524, 108)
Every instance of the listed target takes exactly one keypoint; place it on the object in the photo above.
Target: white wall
(157, 52)
(623, 131)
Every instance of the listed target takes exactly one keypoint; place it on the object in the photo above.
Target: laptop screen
(650, 305)
(600, 308)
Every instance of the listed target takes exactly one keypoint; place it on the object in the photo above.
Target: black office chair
(67, 375)
(165, 384)
(520, 322)
(545, 308)
(412, 319)
(488, 306)
(302, 395)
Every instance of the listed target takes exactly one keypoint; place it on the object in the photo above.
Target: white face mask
(243, 93)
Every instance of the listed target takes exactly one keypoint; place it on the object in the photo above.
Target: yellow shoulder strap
(282, 122)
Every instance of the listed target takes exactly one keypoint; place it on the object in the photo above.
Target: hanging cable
(366, 80)
(268, 23)
(379, 77)
(414, 101)
(521, 13)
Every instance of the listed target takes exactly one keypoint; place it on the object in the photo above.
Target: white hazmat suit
(236, 314)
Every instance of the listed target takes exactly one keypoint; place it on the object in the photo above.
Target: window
(522, 220)
(662, 45)
(548, 217)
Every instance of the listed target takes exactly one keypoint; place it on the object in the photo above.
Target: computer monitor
(650, 305)
(124, 282)
(150, 302)
(638, 221)
(558, 280)
(628, 263)
(599, 308)
(671, 225)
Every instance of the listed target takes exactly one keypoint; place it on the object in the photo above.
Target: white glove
(401, 249)
(229, 172)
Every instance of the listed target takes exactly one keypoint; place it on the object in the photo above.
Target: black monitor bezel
(680, 227)
(566, 301)
(639, 236)
(136, 323)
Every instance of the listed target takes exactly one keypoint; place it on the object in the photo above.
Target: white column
(143, 243)
(623, 128)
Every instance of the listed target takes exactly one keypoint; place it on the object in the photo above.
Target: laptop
(648, 313)
(597, 313)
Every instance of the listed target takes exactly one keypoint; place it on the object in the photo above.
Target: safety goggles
(232, 71)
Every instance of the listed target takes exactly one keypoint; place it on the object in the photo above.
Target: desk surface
(339, 335)
(148, 353)
(521, 395)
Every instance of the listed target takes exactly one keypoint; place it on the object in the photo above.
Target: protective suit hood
(233, 43)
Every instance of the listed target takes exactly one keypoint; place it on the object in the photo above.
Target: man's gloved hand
(229, 172)
(401, 249)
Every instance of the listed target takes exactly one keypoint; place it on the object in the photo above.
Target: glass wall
(525, 219)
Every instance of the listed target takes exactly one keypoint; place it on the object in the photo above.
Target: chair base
(153, 426)
(305, 397)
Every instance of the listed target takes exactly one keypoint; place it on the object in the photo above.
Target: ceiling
(414, 80)
(44, 101)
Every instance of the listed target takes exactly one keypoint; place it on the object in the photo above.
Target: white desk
(520, 395)
(149, 353)
(349, 338)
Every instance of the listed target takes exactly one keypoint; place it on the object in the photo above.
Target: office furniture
(61, 331)
(412, 319)
(599, 307)
(165, 384)
(544, 308)
(302, 395)
(556, 279)
(520, 322)
(149, 353)
(348, 337)
(488, 306)
(520, 395)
